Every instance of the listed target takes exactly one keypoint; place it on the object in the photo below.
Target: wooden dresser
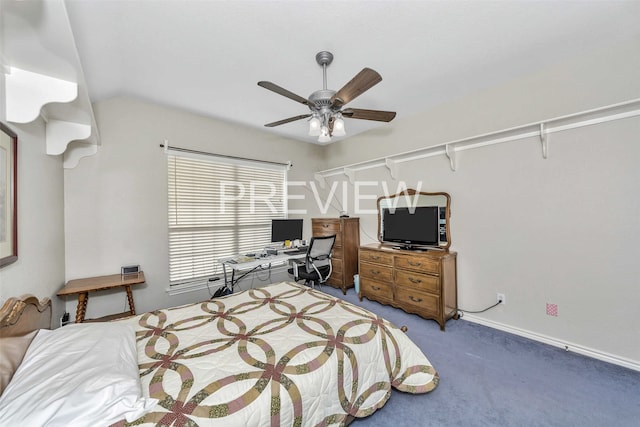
(423, 283)
(344, 261)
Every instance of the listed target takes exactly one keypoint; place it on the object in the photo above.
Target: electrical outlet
(501, 298)
(64, 319)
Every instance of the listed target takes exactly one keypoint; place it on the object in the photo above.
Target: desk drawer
(417, 263)
(417, 281)
(376, 272)
(376, 257)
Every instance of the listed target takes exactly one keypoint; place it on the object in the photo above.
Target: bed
(284, 354)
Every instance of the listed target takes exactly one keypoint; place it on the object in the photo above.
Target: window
(219, 207)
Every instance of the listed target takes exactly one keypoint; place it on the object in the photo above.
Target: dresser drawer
(376, 290)
(420, 301)
(328, 229)
(376, 272)
(336, 266)
(336, 253)
(417, 263)
(336, 279)
(417, 281)
(375, 256)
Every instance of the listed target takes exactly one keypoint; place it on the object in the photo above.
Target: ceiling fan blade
(358, 113)
(332, 122)
(363, 81)
(290, 119)
(282, 91)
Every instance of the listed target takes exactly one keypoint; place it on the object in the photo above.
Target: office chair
(316, 266)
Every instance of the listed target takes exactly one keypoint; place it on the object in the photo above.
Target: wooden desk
(82, 287)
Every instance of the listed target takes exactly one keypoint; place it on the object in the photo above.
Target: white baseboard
(606, 357)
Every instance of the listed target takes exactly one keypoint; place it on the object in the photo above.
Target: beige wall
(563, 230)
(116, 201)
(582, 83)
(39, 269)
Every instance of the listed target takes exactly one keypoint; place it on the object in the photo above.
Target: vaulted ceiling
(207, 56)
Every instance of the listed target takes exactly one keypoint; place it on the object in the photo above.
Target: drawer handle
(414, 299)
(417, 264)
(375, 257)
(376, 272)
(375, 288)
(412, 280)
(325, 225)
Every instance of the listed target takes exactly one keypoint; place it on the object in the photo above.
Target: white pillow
(12, 351)
(79, 375)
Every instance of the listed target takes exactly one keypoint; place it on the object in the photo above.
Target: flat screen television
(411, 228)
(286, 229)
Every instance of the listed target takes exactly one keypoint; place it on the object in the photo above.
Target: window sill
(199, 285)
(192, 287)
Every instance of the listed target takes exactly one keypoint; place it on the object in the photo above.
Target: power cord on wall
(363, 231)
(265, 278)
(479, 311)
(333, 202)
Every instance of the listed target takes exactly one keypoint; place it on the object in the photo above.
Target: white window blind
(219, 208)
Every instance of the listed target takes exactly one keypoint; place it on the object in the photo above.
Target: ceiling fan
(326, 105)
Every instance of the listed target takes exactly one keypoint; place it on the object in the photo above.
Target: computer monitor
(286, 229)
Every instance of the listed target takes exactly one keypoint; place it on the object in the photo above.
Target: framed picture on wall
(8, 196)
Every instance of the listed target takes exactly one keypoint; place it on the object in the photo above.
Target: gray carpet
(492, 378)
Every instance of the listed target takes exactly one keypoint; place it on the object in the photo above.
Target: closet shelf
(43, 77)
(541, 130)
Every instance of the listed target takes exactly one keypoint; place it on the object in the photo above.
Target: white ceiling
(207, 56)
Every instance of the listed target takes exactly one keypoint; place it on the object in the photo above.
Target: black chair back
(319, 252)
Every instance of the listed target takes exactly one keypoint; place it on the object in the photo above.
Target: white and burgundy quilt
(283, 354)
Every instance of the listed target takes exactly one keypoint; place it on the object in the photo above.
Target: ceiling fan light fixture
(324, 135)
(314, 126)
(338, 127)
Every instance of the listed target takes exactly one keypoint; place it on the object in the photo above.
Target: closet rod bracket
(392, 165)
(450, 151)
(351, 174)
(544, 140)
(320, 179)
